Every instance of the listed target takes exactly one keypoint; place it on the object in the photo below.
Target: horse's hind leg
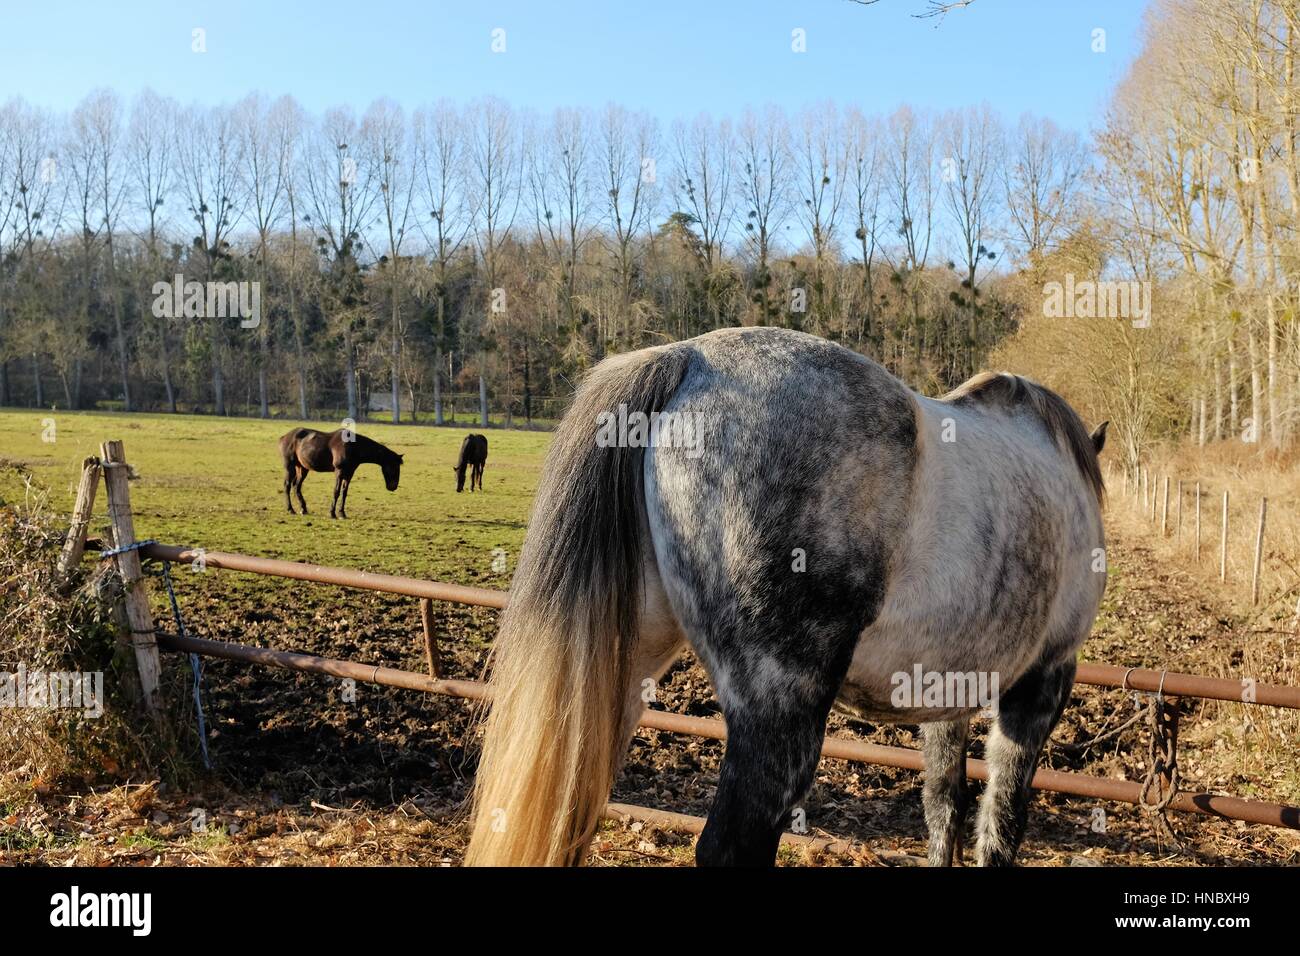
(773, 745)
(1027, 712)
(289, 473)
(300, 477)
(775, 698)
(946, 797)
(776, 643)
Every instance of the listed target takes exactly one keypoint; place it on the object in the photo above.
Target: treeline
(474, 250)
(1196, 192)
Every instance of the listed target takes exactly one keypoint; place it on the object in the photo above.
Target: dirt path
(305, 775)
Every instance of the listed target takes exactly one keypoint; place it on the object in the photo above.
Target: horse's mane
(1062, 422)
(384, 452)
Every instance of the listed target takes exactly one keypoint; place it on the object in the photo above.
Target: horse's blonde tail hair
(561, 671)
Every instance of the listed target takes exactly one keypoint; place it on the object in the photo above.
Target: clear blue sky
(670, 57)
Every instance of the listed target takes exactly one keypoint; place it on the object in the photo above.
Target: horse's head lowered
(392, 472)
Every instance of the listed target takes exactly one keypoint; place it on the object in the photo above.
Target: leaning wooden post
(1164, 510)
(1198, 522)
(431, 656)
(1259, 551)
(1223, 540)
(136, 595)
(75, 544)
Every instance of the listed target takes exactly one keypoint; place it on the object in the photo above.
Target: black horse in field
(341, 451)
(473, 454)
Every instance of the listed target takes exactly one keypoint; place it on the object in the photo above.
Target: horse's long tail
(561, 678)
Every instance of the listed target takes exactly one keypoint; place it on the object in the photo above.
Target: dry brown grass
(1248, 474)
(51, 625)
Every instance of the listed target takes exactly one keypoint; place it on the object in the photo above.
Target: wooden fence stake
(1223, 541)
(136, 595)
(431, 656)
(1198, 522)
(1164, 510)
(1178, 520)
(1259, 551)
(75, 545)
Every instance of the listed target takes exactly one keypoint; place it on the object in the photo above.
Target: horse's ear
(401, 458)
(1099, 437)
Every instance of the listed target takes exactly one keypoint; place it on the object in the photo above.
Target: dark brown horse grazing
(342, 451)
(473, 452)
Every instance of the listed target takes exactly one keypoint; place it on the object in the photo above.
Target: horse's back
(309, 447)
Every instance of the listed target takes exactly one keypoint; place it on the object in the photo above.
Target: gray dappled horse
(826, 531)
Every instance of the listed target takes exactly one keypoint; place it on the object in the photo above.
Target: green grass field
(217, 483)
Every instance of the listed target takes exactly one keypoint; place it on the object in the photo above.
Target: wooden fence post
(136, 595)
(1164, 510)
(1198, 522)
(431, 656)
(1223, 541)
(1178, 520)
(75, 544)
(1259, 551)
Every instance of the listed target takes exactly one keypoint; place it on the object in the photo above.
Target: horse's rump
(473, 451)
(308, 448)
